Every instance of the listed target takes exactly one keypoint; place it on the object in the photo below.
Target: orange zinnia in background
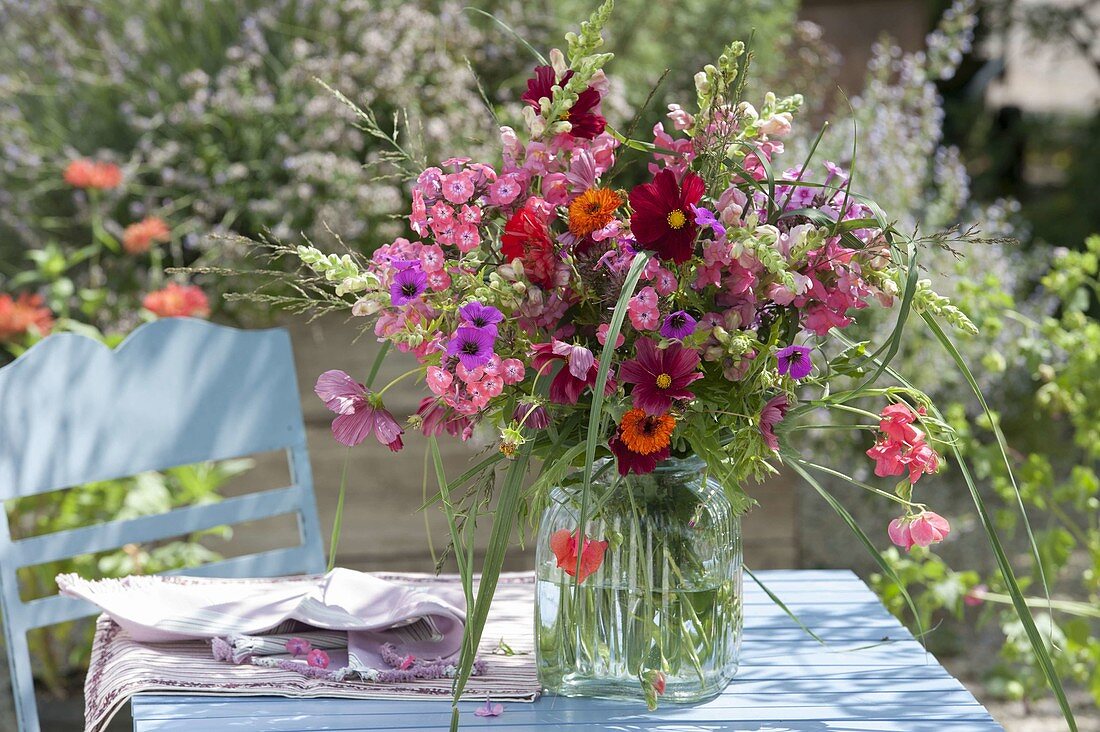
(137, 238)
(19, 316)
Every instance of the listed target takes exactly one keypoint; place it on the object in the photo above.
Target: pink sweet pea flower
(929, 528)
(924, 529)
(898, 531)
(887, 457)
(564, 545)
(922, 460)
(897, 422)
(357, 417)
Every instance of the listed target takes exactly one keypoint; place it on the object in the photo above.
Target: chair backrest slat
(178, 522)
(176, 392)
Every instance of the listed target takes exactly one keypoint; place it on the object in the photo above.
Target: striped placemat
(121, 667)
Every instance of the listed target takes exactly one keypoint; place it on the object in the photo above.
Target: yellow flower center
(664, 381)
(676, 218)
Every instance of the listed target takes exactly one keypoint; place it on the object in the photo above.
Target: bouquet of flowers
(605, 332)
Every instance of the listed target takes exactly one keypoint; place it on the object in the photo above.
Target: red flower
(175, 301)
(22, 314)
(586, 122)
(663, 218)
(564, 545)
(527, 238)
(85, 173)
(579, 371)
(660, 376)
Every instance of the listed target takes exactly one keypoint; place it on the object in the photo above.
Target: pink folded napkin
(380, 618)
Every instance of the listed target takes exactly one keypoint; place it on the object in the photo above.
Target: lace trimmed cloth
(389, 636)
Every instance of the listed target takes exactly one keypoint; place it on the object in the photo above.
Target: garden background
(982, 113)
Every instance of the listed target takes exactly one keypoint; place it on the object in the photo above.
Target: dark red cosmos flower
(527, 238)
(586, 123)
(660, 376)
(663, 218)
(577, 373)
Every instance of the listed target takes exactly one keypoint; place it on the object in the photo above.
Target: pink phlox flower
(512, 370)
(601, 335)
(317, 658)
(458, 187)
(439, 380)
(505, 189)
(644, 320)
(430, 184)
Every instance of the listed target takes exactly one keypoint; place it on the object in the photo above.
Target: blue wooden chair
(176, 392)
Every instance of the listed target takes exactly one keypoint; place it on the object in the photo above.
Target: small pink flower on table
(489, 709)
(564, 545)
(317, 658)
(357, 413)
(298, 647)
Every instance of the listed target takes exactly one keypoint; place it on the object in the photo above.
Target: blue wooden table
(871, 676)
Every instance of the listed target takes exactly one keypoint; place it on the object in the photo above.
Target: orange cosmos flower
(592, 210)
(86, 173)
(175, 301)
(646, 434)
(137, 238)
(22, 314)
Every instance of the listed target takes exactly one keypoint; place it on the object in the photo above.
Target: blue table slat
(871, 676)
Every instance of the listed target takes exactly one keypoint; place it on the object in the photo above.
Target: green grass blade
(606, 357)
(374, 367)
(782, 605)
(504, 523)
(338, 519)
(863, 539)
(510, 31)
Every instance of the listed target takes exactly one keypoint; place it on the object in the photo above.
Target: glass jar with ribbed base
(657, 614)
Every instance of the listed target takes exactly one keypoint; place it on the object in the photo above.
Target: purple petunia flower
(408, 284)
(678, 325)
(706, 217)
(795, 361)
(473, 346)
(480, 316)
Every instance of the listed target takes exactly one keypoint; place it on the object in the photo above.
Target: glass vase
(660, 617)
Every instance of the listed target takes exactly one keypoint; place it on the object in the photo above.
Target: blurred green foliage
(60, 650)
(1060, 486)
